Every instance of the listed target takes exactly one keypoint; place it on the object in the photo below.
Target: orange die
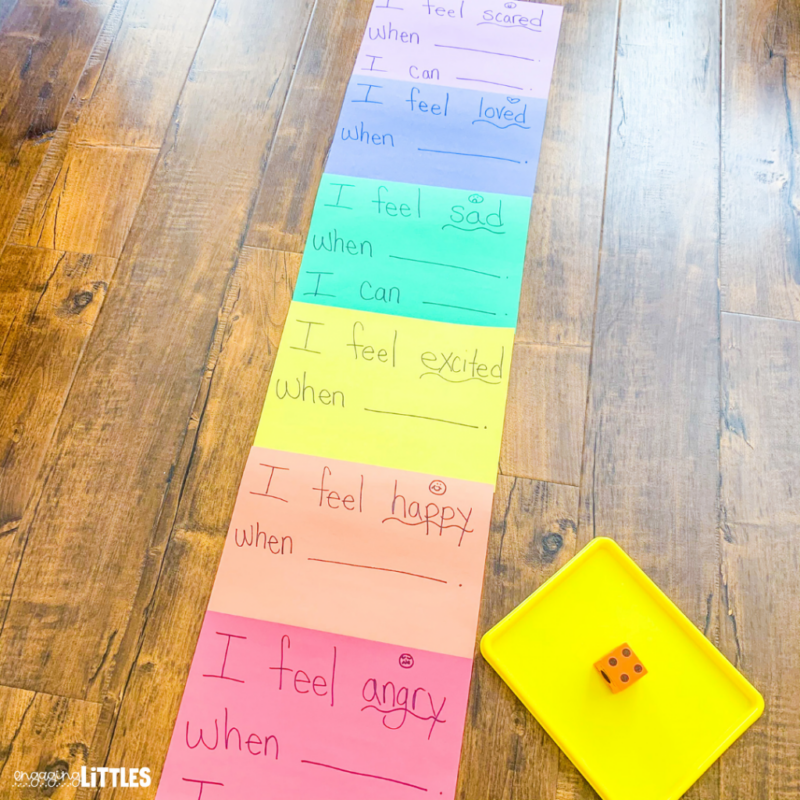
(621, 668)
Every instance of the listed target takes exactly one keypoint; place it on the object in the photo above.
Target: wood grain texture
(44, 47)
(237, 377)
(547, 397)
(760, 266)
(91, 204)
(49, 302)
(123, 426)
(134, 99)
(56, 144)
(558, 290)
(286, 200)
(506, 754)
(543, 434)
(650, 461)
(92, 179)
(760, 536)
(43, 733)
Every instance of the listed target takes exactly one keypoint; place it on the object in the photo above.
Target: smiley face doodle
(406, 661)
(511, 5)
(437, 487)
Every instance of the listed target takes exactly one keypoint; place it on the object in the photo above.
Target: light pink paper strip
(501, 47)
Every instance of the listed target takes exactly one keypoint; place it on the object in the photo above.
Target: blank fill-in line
(449, 266)
(364, 774)
(417, 416)
(460, 308)
(381, 569)
(491, 83)
(488, 52)
(472, 155)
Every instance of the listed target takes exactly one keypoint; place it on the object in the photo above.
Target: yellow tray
(656, 738)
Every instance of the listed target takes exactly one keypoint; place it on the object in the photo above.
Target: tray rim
(694, 633)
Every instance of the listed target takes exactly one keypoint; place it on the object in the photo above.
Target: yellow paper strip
(390, 391)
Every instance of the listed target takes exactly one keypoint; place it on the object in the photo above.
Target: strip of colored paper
(438, 136)
(492, 46)
(415, 251)
(311, 538)
(274, 711)
(404, 393)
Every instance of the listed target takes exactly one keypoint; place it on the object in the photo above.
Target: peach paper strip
(376, 553)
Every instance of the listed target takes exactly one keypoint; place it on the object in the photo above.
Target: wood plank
(134, 100)
(547, 396)
(558, 291)
(44, 47)
(650, 465)
(44, 734)
(543, 434)
(91, 204)
(506, 754)
(91, 182)
(49, 302)
(571, 784)
(286, 200)
(760, 263)
(247, 343)
(237, 376)
(760, 462)
(120, 435)
(650, 460)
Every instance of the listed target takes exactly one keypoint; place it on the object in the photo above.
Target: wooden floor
(159, 161)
